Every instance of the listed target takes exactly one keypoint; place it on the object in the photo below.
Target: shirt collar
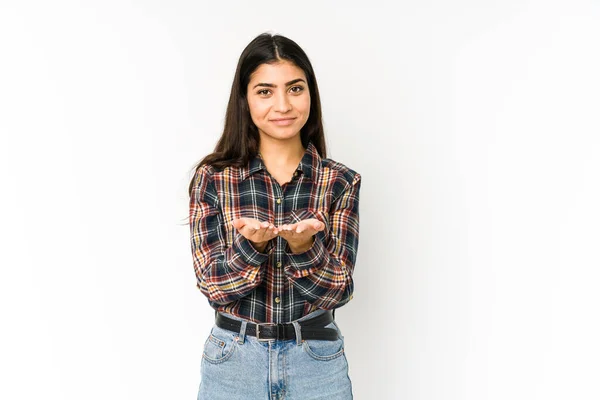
(310, 164)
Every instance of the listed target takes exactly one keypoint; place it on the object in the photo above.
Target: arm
(224, 274)
(323, 273)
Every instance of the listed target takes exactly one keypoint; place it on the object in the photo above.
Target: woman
(274, 235)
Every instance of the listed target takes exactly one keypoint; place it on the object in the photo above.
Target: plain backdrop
(473, 123)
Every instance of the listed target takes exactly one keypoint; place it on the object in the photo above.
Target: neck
(281, 153)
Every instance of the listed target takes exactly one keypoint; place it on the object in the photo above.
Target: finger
(303, 226)
(251, 228)
(266, 231)
(273, 229)
(284, 232)
(292, 227)
(314, 223)
(264, 234)
(247, 231)
(238, 223)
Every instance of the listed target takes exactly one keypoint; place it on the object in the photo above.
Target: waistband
(313, 314)
(310, 327)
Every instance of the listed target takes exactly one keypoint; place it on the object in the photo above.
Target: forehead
(279, 72)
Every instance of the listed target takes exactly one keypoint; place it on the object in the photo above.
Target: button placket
(279, 217)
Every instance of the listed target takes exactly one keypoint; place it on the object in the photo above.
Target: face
(279, 100)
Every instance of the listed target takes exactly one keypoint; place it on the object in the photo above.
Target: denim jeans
(239, 367)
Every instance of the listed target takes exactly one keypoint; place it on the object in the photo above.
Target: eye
(263, 92)
(299, 89)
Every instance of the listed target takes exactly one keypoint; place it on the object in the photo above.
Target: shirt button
(278, 201)
(277, 300)
(296, 173)
(279, 264)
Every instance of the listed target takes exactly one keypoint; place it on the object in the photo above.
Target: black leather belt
(311, 329)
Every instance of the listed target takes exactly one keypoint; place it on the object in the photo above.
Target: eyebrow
(274, 86)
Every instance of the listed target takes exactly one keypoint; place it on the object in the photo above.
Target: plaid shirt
(276, 285)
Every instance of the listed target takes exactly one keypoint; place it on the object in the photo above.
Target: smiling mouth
(283, 121)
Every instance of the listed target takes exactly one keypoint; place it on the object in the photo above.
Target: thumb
(238, 223)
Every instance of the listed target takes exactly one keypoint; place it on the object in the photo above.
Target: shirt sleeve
(323, 273)
(224, 274)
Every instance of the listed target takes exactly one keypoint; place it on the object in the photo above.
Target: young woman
(274, 234)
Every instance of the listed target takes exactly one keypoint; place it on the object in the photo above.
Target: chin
(282, 135)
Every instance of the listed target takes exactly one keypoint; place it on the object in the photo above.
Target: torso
(312, 193)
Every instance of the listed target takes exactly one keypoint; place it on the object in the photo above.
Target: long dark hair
(240, 139)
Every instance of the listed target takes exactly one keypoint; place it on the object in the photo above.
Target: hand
(258, 233)
(300, 235)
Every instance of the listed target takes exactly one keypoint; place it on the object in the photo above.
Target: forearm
(323, 278)
(232, 274)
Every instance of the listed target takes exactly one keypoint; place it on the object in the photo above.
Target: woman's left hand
(300, 235)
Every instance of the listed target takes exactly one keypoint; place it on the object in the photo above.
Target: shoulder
(350, 176)
(212, 183)
(203, 174)
(206, 179)
(211, 173)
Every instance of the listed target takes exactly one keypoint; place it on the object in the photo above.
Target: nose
(282, 103)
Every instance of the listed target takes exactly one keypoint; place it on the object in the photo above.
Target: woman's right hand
(258, 233)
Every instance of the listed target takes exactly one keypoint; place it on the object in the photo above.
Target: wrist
(259, 246)
(301, 247)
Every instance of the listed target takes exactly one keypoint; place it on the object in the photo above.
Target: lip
(283, 121)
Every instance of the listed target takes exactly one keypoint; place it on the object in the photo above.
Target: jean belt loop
(242, 335)
(298, 332)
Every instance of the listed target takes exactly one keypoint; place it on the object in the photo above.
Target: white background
(474, 124)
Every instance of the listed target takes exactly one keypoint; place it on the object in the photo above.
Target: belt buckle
(258, 332)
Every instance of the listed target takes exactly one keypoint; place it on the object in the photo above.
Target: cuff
(314, 257)
(246, 255)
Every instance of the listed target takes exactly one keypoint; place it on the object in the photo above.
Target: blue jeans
(239, 367)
